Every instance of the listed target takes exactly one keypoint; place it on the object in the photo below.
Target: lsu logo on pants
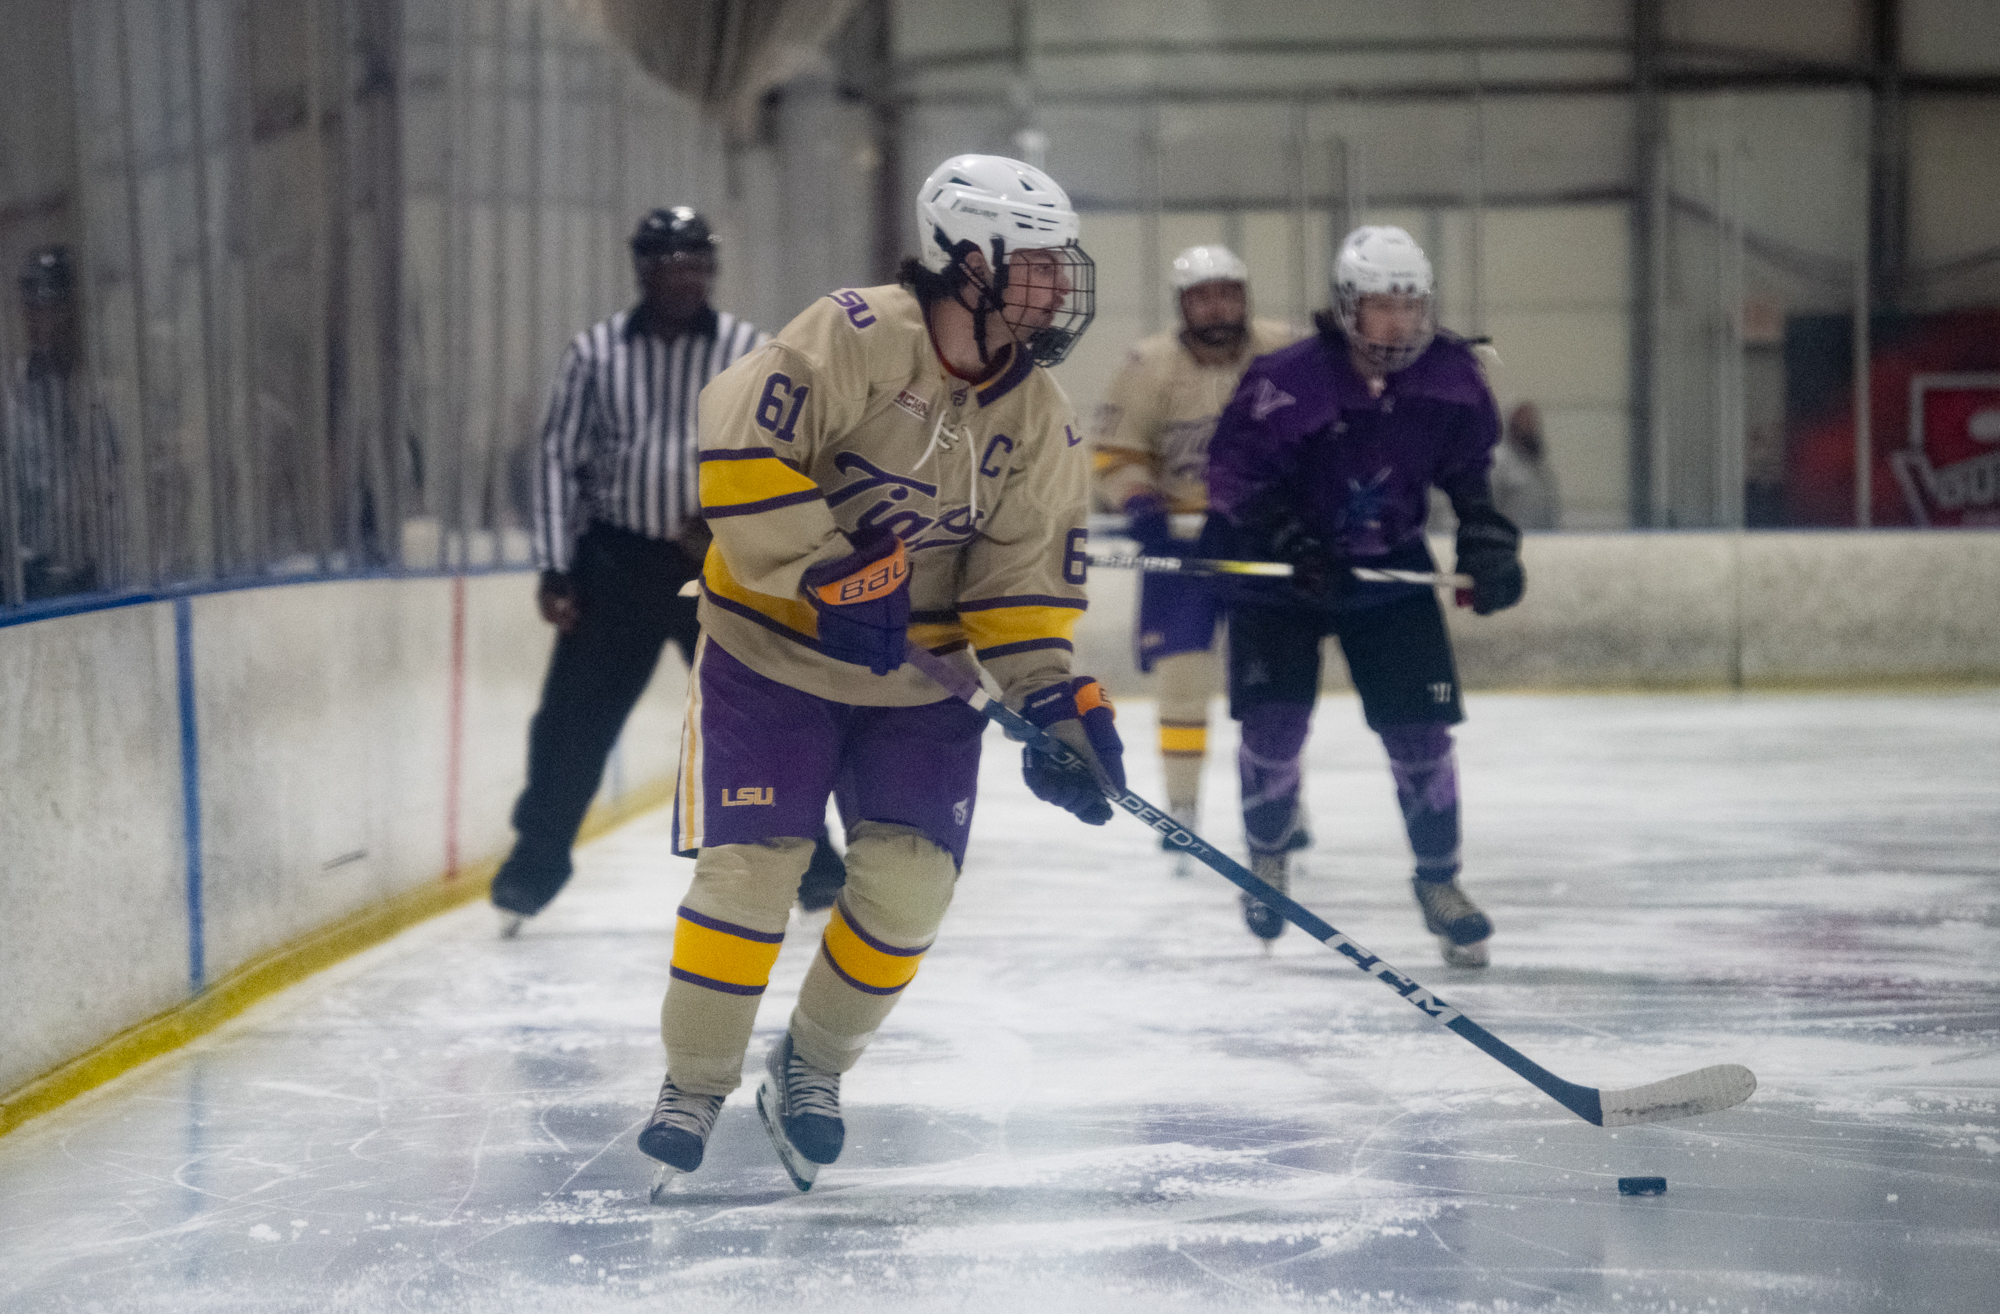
(749, 797)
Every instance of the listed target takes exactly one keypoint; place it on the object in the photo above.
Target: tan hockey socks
(898, 887)
(725, 941)
(1184, 683)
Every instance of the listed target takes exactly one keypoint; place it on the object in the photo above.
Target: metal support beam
(889, 200)
(1888, 158)
(1649, 195)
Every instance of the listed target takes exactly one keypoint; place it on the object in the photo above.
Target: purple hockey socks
(1426, 774)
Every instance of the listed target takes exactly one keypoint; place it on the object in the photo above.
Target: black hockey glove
(1319, 572)
(1489, 550)
(1146, 524)
(1078, 713)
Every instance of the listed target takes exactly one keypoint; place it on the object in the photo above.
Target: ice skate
(677, 1133)
(511, 922)
(1461, 928)
(800, 1106)
(1185, 816)
(1264, 921)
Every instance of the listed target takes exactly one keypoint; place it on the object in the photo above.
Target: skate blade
(663, 1185)
(1463, 955)
(1183, 867)
(510, 924)
(800, 1169)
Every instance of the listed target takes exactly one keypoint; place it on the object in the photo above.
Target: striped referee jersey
(618, 446)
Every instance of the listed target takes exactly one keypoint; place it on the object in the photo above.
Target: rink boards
(342, 754)
(336, 749)
(1695, 611)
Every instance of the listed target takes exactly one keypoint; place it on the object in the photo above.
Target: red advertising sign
(1950, 472)
(1933, 419)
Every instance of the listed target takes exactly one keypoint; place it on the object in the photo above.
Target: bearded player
(1325, 458)
(895, 465)
(1151, 455)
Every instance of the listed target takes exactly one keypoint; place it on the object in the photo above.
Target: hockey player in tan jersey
(894, 466)
(1151, 453)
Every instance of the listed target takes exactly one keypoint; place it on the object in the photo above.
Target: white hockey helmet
(1206, 264)
(998, 206)
(1383, 261)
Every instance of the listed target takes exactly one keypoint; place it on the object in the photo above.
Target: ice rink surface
(1101, 1096)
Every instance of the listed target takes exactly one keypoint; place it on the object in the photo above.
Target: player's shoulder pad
(853, 334)
(1269, 335)
(1288, 389)
(869, 311)
(1451, 371)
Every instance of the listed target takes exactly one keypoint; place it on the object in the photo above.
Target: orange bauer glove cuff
(869, 582)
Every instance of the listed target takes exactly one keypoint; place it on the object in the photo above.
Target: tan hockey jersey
(1153, 426)
(847, 420)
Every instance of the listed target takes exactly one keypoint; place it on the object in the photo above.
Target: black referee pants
(628, 588)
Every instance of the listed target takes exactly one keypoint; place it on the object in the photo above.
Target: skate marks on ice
(1101, 1098)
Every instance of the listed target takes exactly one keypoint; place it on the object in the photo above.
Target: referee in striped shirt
(617, 532)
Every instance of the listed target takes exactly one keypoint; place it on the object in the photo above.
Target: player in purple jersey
(1325, 458)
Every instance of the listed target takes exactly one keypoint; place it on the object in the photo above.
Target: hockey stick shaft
(1272, 570)
(1583, 1101)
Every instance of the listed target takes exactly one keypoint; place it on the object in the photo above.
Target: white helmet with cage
(1206, 264)
(1384, 261)
(997, 206)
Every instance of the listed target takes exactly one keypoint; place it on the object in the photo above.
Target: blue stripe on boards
(190, 785)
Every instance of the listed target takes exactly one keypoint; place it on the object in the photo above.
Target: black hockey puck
(1642, 1186)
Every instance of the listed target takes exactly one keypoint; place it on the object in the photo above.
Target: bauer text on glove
(1078, 713)
(863, 601)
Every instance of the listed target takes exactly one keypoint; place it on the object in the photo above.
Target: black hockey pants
(628, 586)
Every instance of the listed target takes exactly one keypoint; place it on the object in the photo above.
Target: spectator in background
(56, 452)
(1524, 487)
(618, 530)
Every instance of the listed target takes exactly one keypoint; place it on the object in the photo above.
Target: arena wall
(352, 744)
(1694, 610)
(344, 752)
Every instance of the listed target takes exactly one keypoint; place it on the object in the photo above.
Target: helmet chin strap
(991, 296)
(992, 300)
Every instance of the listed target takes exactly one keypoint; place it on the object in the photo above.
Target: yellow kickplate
(262, 977)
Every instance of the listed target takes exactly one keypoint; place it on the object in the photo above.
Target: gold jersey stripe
(936, 634)
(1001, 625)
(876, 967)
(720, 956)
(732, 483)
(795, 614)
(1183, 739)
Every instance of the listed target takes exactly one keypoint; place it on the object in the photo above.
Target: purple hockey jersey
(1303, 428)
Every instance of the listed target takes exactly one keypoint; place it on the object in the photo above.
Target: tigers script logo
(954, 526)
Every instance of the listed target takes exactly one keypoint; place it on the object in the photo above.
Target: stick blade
(1690, 1095)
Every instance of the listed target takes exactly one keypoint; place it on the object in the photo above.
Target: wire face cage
(1054, 298)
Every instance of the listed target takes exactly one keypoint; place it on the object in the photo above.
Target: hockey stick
(1270, 569)
(1689, 1095)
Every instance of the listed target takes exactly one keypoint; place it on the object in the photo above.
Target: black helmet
(664, 232)
(48, 277)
